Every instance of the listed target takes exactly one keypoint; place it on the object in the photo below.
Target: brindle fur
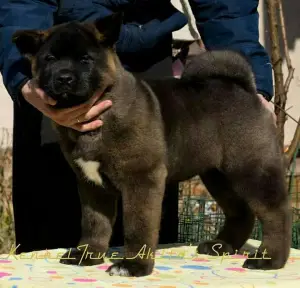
(208, 123)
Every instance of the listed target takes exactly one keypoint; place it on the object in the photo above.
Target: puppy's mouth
(58, 96)
(66, 99)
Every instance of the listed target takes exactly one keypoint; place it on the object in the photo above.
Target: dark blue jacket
(145, 36)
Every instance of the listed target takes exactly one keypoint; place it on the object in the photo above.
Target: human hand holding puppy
(268, 106)
(80, 117)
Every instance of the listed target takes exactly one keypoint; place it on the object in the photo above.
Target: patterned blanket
(176, 266)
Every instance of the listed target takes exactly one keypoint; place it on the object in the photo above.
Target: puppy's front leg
(142, 196)
(98, 207)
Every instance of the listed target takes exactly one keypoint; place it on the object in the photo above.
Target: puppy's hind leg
(239, 219)
(98, 207)
(263, 187)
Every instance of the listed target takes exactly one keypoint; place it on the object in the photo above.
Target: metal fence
(200, 218)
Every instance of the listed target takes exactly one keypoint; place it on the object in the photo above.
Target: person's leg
(45, 199)
(46, 202)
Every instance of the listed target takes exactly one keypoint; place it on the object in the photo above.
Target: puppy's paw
(82, 258)
(259, 261)
(130, 268)
(215, 248)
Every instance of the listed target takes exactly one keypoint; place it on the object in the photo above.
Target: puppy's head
(71, 61)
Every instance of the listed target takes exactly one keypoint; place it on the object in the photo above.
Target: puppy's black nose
(65, 78)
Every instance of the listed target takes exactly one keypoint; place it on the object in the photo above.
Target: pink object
(4, 274)
(5, 261)
(200, 260)
(239, 256)
(84, 280)
(177, 68)
(236, 269)
(103, 267)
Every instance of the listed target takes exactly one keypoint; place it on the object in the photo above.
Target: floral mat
(176, 266)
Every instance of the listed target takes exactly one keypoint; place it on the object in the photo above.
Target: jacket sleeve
(38, 14)
(16, 15)
(233, 24)
(146, 23)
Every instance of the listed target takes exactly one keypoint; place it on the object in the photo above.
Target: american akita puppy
(208, 123)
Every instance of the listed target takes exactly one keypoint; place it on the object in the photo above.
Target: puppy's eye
(85, 59)
(49, 57)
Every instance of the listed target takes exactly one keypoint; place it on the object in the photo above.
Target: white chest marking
(90, 170)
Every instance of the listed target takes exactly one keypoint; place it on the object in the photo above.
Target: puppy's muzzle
(64, 81)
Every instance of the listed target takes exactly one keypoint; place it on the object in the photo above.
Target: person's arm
(233, 24)
(134, 38)
(29, 14)
(17, 15)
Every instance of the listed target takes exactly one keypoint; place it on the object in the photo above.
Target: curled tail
(221, 64)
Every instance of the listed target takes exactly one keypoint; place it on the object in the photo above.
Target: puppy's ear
(109, 28)
(28, 42)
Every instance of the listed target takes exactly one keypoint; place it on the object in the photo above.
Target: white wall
(6, 115)
(291, 9)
